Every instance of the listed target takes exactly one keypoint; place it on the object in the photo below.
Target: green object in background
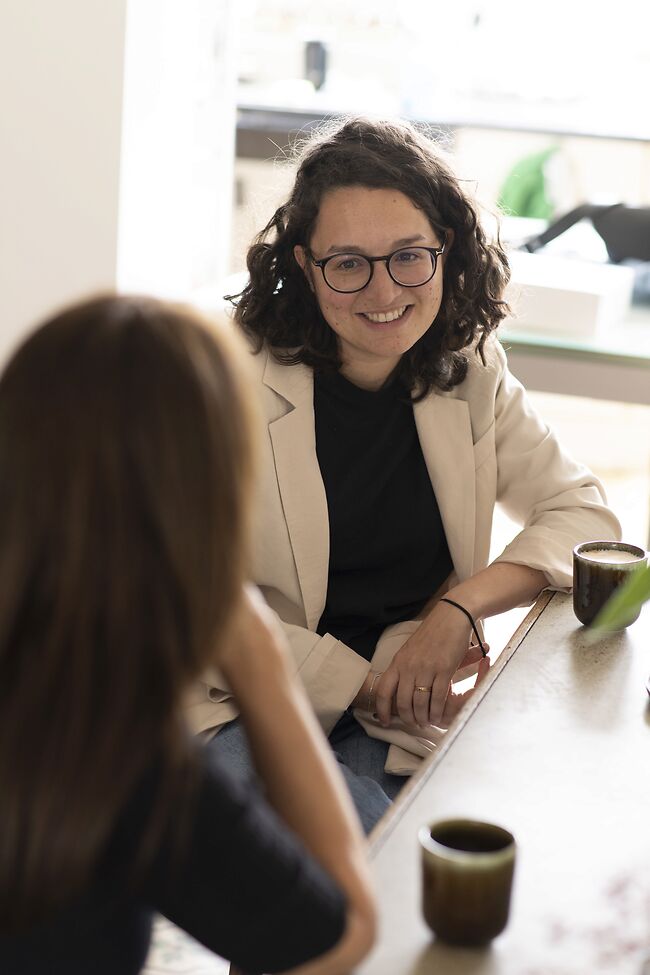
(525, 191)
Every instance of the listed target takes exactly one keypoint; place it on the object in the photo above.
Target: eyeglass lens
(351, 272)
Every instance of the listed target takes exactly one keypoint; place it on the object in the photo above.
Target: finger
(455, 701)
(404, 699)
(421, 699)
(473, 654)
(483, 669)
(384, 692)
(439, 693)
(453, 704)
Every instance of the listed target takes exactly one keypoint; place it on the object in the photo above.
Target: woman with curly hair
(393, 428)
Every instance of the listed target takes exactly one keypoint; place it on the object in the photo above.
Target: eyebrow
(355, 249)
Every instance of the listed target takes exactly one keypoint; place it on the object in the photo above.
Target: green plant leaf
(624, 604)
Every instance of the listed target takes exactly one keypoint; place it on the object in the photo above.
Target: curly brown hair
(277, 307)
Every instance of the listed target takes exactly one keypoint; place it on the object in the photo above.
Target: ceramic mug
(467, 871)
(599, 568)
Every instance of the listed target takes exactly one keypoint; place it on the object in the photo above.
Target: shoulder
(488, 368)
(257, 358)
(280, 385)
(484, 373)
(483, 386)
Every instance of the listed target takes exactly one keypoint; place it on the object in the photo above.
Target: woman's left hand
(419, 677)
(457, 700)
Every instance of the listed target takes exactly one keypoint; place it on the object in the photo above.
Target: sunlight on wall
(178, 145)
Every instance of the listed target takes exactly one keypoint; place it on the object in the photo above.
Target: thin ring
(423, 690)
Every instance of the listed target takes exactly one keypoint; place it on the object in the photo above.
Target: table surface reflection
(556, 747)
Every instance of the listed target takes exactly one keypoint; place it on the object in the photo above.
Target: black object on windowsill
(316, 63)
(625, 231)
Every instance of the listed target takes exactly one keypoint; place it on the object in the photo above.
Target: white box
(567, 296)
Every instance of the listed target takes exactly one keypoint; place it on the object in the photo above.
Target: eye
(347, 262)
(417, 254)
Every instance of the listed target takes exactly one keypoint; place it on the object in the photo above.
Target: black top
(388, 550)
(242, 885)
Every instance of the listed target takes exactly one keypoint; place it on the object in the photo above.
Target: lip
(386, 326)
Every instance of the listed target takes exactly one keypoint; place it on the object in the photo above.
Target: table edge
(392, 816)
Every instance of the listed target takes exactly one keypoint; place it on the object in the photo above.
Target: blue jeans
(361, 760)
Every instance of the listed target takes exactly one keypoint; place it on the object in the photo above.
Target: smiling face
(377, 325)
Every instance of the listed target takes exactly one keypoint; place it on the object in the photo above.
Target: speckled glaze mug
(467, 871)
(599, 568)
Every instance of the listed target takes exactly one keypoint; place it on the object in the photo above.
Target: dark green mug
(467, 871)
(599, 568)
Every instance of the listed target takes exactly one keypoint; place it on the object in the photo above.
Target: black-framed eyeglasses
(409, 267)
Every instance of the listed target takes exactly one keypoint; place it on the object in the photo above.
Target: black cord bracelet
(451, 602)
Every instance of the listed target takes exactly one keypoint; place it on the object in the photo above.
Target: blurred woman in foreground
(125, 468)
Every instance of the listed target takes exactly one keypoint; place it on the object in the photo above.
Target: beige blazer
(482, 444)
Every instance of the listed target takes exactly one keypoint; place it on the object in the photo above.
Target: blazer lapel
(445, 433)
(301, 486)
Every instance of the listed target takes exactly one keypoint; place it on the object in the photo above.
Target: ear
(300, 255)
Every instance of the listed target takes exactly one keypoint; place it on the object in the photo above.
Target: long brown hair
(277, 307)
(125, 464)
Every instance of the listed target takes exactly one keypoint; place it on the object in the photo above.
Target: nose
(381, 287)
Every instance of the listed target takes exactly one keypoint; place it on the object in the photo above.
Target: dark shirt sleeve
(241, 882)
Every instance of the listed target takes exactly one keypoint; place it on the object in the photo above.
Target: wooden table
(555, 746)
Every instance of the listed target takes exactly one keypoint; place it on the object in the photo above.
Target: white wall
(61, 67)
(178, 145)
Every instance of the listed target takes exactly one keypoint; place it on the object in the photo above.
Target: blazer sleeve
(558, 501)
(330, 672)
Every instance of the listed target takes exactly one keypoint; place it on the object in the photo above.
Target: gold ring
(424, 690)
